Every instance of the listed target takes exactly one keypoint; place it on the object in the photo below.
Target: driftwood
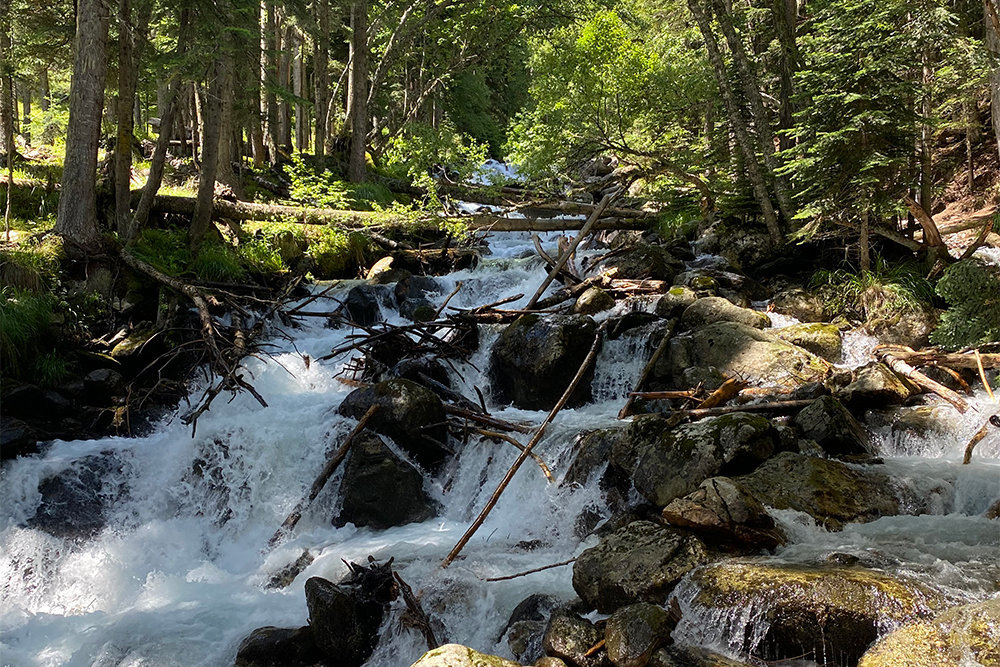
(979, 435)
(485, 420)
(565, 274)
(493, 435)
(288, 525)
(774, 406)
(648, 368)
(415, 616)
(939, 358)
(532, 571)
(664, 395)
(535, 439)
(729, 389)
(904, 369)
(571, 249)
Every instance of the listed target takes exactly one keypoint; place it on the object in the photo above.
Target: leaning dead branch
(904, 369)
(527, 448)
(648, 368)
(493, 435)
(532, 571)
(415, 616)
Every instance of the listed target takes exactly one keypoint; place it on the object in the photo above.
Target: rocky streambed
(836, 527)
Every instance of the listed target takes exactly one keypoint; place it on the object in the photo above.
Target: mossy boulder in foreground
(456, 655)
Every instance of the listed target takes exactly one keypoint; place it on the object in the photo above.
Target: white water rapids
(178, 575)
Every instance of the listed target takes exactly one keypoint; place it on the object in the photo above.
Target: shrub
(338, 254)
(27, 319)
(164, 249)
(50, 369)
(218, 262)
(881, 294)
(972, 290)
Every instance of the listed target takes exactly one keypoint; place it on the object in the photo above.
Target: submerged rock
(731, 349)
(712, 309)
(381, 490)
(832, 492)
(536, 357)
(74, 500)
(692, 656)
(456, 655)
(965, 635)
(279, 647)
(641, 562)
(671, 463)
(723, 510)
(412, 415)
(633, 633)
(795, 610)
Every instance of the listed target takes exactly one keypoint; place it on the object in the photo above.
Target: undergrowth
(881, 294)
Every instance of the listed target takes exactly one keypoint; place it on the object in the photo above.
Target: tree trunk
(226, 157)
(302, 124)
(321, 57)
(736, 122)
(77, 218)
(271, 81)
(359, 77)
(25, 91)
(123, 145)
(212, 111)
(6, 84)
(866, 264)
(926, 136)
(993, 45)
(44, 92)
(255, 123)
(287, 47)
(785, 13)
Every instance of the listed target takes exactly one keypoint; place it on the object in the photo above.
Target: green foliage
(33, 268)
(50, 369)
(164, 249)
(338, 254)
(27, 320)
(972, 290)
(218, 262)
(260, 256)
(881, 294)
(319, 187)
(419, 149)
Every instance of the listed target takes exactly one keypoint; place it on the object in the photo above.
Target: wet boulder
(409, 413)
(363, 303)
(832, 492)
(722, 510)
(593, 301)
(643, 260)
(633, 633)
(418, 309)
(692, 656)
(832, 426)
(711, 352)
(456, 655)
(31, 403)
(965, 635)
(536, 357)
(16, 438)
(591, 453)
(823, 340)
(710, 309)
(641, 562)
(345, 617)
(569, 637)
(279, 647)
(875, 385)
(671, 463)
(415, 287)
(526, 626)
(380, 490)
(74, 499)
(803, 305)
(830, 611)
(675, 301)
(100, 385)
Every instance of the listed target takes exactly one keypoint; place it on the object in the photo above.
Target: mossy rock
(593, 301)
(797, 610)
(801, 304)
(965, 635)
(823, 340)
(712, 309)
(673, 303)
(456, 655)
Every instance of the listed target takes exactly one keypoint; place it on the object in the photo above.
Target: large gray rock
(823, 340)
(362, 303)
(412, 415)
(803, 305)
(643, 260)
(909, 328)
(829, 423)
(692, 656)
(633, 633)
(279, 647)
(641, 562)
(591, 453)
(671, 463)
(381, 490)
(713, 351)
(535, 358)
(832, 492)
(874, 386)
(569, 637)
(831, 611)
(593, 301)
(675, 301)
(721, 509)
(710, 309)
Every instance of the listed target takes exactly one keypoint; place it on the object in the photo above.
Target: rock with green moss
(456, 655)
(593, 301)
(965, 635)
(832, 427)
(641, 562)
(633, 633)
(731, 349)
(569, 637)
(711, 309)
(673, 303)
(823, 340)
(803, 305)
(412, 415)
(832, 492)
(795, 610)
(536, 357)
(674, 462)
(972, 290)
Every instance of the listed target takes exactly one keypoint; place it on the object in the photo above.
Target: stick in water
(526, 452)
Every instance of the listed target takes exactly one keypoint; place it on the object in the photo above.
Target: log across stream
(164, 560)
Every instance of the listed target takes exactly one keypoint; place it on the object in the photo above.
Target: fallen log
(729, 389)
(902, 368)
(775, 406)
(486, 420)
(975, 440)
(939, 358)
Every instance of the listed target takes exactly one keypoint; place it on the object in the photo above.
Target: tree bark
(25, 91)
(356, 171)
(866, 263)
(212, 111)
(299, 90)
(77, 217)
(736, 123)
(255, 124)
(286, 46)
(270, 65)
(123, 145)
(993, 45)
(224, 168)
(321, 57)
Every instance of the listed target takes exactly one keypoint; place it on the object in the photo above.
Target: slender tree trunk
(785, 13)
(226, 156)
(211, 132)
(6, 110)
(284, 81)
(866, 264)
(737, 124)
(321, 57)
(359, 71)
(271, 80)
(759, 115)
(25, 90)
(255, 128)
(44, 92)
(77, 217)
(302, 124)
(993, 45)
(926, 138)
(123, 146)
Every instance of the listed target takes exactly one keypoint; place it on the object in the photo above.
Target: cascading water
(178, 573)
